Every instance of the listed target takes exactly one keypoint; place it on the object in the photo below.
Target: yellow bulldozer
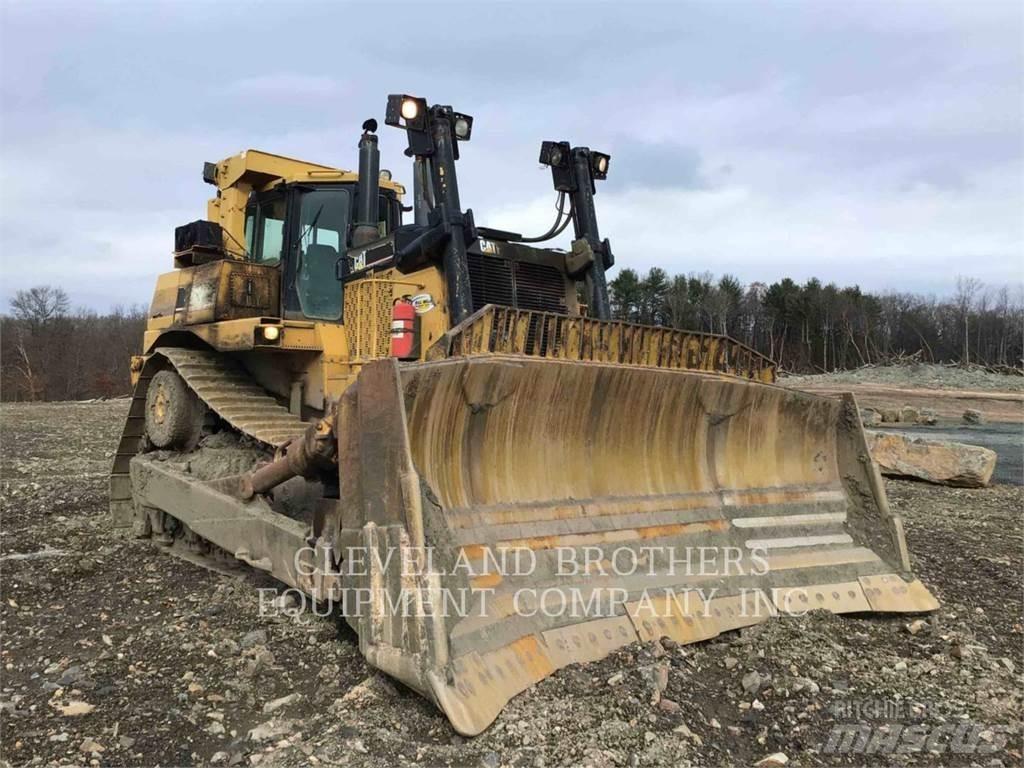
(438, 429)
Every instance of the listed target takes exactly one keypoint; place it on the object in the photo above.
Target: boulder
(935, 461)
(890, 415)
(971, 416)
(909, 414)
(927, 416)
(870, 417)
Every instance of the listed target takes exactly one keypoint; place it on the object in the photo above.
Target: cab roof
(257, 169)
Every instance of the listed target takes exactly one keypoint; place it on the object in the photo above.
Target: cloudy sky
(871, 142)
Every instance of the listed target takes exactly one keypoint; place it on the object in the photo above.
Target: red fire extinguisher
(403, 329)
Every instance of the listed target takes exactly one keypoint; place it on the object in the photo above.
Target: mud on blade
(518, 515)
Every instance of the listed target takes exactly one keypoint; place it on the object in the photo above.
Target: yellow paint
(254, 171)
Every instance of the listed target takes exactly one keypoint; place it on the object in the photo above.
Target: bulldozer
(451, 440)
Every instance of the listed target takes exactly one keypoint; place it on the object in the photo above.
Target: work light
(406, 112)
(554, 153)
(462, 126)
(558, 155)
(599, 164)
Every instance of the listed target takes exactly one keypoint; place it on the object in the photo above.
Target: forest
(818, 327)
(49, 351)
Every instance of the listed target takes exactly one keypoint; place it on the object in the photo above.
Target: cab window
(322, 238)
(264, 229)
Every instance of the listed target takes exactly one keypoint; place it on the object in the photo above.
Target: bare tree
(23, 366)
(39, 304)
(966, 289)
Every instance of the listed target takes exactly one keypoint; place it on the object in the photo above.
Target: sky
(871, 143)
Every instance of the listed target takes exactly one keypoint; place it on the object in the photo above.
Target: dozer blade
(508, 516)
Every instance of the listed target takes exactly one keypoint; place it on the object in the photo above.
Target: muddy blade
(571, 503)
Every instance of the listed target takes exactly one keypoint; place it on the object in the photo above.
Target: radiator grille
(368, 318)
(521, 284)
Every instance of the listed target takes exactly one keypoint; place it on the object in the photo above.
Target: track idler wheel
(174, 415)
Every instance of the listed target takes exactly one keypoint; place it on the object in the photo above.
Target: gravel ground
(114, 653)
(922, 375)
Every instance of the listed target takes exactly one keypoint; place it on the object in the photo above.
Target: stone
(90, 746)
(730, 662)
(916, 626)
(75, 708)
(972, 416)
(928, 417)
(329, 673)
(357, 746)
(284, 701)
(805, 684)
(270, 730)
(869, 417)
(752, 682)
(615, 679)
(684, 730)
(254, 638)
(890, 415)
(667, 705)
(373, 687)
(70, 676)
(910, 414)
(8, 708)
(227, 647)
(658, 676)
(774, 760)
(934, 461)
(286, 602)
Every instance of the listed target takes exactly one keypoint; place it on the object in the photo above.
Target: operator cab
(306, 228)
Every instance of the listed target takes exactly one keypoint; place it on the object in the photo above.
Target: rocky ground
(116, 653)
(944, 390)
(921, 375)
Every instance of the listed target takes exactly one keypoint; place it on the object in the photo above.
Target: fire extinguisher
(403, 329)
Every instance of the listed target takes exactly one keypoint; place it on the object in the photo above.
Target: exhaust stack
(368, 208)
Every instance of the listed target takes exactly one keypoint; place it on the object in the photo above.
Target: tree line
(50, 352)
(818, 327)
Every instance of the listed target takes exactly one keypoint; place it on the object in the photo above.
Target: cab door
(319, 219)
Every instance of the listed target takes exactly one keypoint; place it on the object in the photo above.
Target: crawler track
(226, 389)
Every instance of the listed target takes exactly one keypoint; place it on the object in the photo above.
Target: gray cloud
(856, 141)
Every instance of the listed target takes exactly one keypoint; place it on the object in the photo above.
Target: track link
(230, 392)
